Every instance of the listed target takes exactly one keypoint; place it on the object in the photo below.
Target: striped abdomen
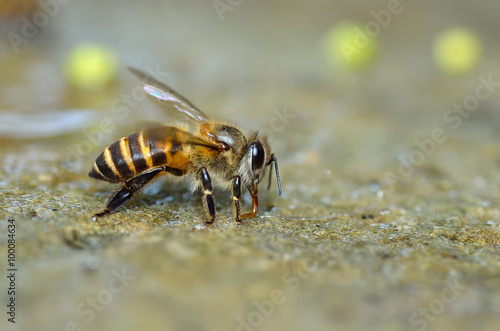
(141, 151)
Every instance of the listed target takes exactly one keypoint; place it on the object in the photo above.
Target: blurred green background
(389, 159)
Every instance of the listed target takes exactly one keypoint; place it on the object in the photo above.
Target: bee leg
(255, 206)
(127, 191)
(236, 198)
(207, 195)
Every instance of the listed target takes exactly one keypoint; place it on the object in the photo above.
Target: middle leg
(208, 199)
(236, 198)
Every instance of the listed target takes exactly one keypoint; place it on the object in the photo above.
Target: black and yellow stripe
(137, 150)
(132, 155)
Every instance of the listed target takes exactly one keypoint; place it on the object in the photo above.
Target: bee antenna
(270, 163)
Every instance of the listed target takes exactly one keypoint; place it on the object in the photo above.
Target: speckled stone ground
(371, 232)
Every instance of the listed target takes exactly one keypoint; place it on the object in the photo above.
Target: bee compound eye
(258, 156)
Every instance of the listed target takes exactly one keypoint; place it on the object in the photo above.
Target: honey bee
(217, 152)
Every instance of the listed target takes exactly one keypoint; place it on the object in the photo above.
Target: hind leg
(131, 186)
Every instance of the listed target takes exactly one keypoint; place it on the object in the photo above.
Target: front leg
(255, 203)
(236, 198)
(208, 199)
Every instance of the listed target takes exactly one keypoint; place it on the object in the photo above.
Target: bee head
(254, 163)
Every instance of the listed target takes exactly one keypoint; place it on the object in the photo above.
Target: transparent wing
(167, 97)
(176, 136)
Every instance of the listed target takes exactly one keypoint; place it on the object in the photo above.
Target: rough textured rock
(372, 231)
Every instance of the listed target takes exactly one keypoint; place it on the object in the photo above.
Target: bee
(217, 153)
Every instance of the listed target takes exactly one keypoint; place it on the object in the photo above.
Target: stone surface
(389, 217)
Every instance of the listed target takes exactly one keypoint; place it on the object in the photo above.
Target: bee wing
(167, 97)
(178, 137)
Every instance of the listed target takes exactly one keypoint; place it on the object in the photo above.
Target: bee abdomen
(132, 155)
(115, 164)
